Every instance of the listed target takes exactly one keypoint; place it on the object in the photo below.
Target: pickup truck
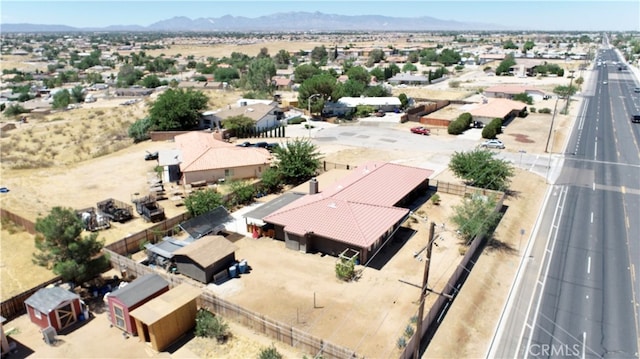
(635, 118)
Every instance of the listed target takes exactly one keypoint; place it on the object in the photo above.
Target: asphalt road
(577, 292)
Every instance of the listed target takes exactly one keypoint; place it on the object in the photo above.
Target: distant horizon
(563, 15)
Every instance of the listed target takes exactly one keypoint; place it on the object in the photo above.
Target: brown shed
(166, 318)
(205, 257)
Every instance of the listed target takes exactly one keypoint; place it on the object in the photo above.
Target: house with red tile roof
(359, 212)
(497, 108)
(201, 157)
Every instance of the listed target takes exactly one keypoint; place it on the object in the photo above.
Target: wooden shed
(53, 307)
(166, 318)
(131, 296)
(205, 257)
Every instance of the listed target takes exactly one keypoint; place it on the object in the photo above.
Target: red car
(421, 130)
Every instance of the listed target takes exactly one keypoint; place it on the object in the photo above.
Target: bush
(402, 342)
(489, 132)
(14, 110)
(454, 84)
(296, 120)
(270, 353)
(345, 269)
(457, 127)
(532, 109)
(139, 130)
(544, 110)
(209, 325)
(408, 331)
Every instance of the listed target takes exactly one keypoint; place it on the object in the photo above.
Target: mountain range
(279, 22)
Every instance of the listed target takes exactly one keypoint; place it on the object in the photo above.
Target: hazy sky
(514, 14)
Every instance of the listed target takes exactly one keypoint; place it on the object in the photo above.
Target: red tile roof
(357, 209)
(497, 108)
(201, 152)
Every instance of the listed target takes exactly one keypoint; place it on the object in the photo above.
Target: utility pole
(566, 106)
(423, 291)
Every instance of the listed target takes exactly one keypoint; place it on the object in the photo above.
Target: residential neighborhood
(300, 211)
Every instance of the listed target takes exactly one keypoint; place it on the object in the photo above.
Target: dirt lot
(79, 178)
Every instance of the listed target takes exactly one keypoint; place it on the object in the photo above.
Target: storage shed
(131, 296)
(166, 318)
(53, 307)
(205, 257)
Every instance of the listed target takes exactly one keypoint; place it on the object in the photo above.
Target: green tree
(523, 97)
(282, 58)
(476, 216)
(378, 73)
(404, 100)
(323, 84)
(360, 74)
(200, 202)
(259, 75)
(271, 180)
(297, 161)
(509, 45)
(304, 72)
(151, 81)
(375, 56)
(528, 45)
(14, 110)
(480, 168)
(139, 130)
(177, 109)
(319, 54)
(409, 67)
(505, 65)
(243, 192)
(239, 125)
(448, 57)
(77, 94)
(225, 74)
(61, 99)
(564, 91)
(128, 76)
(62, 247)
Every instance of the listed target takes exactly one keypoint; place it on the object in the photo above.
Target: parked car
(379, 113)
(636, 90)
(244, 144)
(151, 156)
(477, 124)
(420, 130)
(493, 144)
(261, 144)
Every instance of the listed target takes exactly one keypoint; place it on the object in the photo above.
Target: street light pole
(309, 108)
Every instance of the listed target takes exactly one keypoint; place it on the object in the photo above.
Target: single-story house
(133, 92)
(201, 157)
(264, 115)
(497, 108)
(282, 83)
(351, 213)
(508, 91)
(124, 300)
(408, 79)
(205, 257)
(164, 319)
(348, 104)
(54, 307)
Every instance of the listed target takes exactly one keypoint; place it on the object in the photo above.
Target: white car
(492, 144)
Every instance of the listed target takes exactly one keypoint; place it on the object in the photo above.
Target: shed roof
(205, 223)
(207, 250)
(166, 247)
(140, 289)
(159, 307)
(47, 299)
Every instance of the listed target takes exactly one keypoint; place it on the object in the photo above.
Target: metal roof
(273, 205)
(140, 289)
(47, 299)
(207, 250)
(166, 247)
(206, 223)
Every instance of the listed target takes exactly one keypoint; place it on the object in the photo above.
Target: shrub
(296, 120)
(408, 331)
(456, 127)
(402, 342)
(532, 109)
(270, 353)
(489, 132)
(454, 84)
(345, 269)
(544, 110)
(435, 199)
(209, 325)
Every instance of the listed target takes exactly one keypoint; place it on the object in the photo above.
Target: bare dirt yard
(76, 158)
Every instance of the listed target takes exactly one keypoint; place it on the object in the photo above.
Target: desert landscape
(77, 157)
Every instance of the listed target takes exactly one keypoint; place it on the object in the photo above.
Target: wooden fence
(28, 226)
(464, 190)
(14, 306)
(443, 302)
(132, 243)
(273, 329)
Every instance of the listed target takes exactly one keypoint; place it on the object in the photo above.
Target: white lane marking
(591, 217)
(594, 186)
(584, 345)
(589, 265)
(595, 151)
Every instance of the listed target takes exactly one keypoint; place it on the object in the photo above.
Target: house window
(228, 173)
(119, 316)
(37, 314)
